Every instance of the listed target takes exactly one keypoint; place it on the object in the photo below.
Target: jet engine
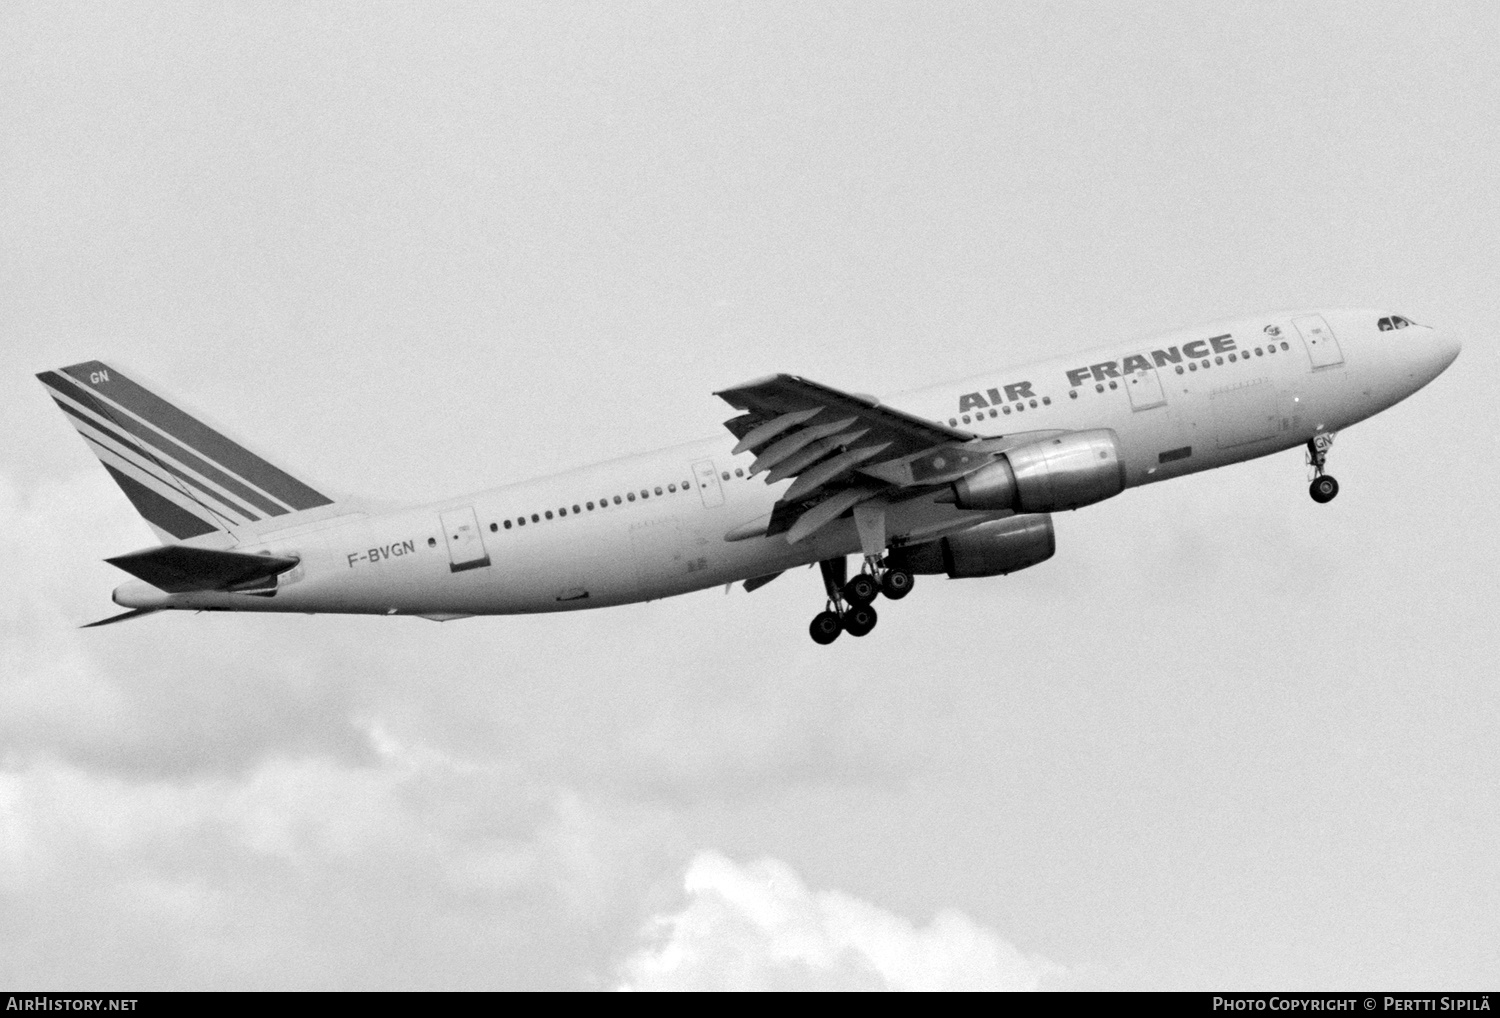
(990, 549)
(1049, 476)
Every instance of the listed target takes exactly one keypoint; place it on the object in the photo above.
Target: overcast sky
(1226, 738)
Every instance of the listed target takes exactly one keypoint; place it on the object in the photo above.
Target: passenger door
(707, 479)
(1144, 387)
(1322, 347)
(465, 545)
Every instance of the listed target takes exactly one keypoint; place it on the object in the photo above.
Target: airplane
(958, 479)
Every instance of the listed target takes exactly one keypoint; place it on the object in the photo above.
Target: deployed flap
(834, 443)
(844, 450)
(179, 568)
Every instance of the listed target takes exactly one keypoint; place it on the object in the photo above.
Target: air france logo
(1159, 358)
(1273, 331)
(1014, 393)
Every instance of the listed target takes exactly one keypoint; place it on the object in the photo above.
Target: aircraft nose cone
(1442, 348)
(1447, 345)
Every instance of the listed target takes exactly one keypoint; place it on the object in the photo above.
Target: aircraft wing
(844, 450)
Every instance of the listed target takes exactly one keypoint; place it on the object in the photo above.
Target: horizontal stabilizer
(134, 613)
(178, 568)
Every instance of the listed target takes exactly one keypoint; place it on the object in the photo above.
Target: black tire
(861, 590)
(859, 620)
(1323, 489)
(825, 628)
(896, 583)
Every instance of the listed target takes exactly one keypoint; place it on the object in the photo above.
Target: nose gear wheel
(1323, 487)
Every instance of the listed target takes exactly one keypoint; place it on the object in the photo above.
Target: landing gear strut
(1323, 487)
(849, 600)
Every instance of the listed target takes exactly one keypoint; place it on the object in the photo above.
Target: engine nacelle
(1049, 476)
(990, 549)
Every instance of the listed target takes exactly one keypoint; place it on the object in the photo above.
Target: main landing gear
(849, 601)
(1323, 487)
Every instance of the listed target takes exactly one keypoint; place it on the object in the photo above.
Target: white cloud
(421, 871)
(758, 927)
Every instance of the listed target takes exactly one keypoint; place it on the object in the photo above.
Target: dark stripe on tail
(101, 448)
(148, 461)
(160, 511)
(161, 443)
(158, 412)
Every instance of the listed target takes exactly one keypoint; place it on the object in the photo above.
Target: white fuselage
(655, 525)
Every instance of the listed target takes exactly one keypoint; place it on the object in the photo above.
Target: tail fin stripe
(163, 486)
(159, 511)
(147, 462)
(207, 442)
(150, 438)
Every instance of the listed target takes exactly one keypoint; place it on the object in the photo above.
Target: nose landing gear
(1323, 487)
(849, 602)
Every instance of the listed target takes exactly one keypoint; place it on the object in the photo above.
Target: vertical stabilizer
(185, 478)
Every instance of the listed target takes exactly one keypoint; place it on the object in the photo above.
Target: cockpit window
(1393, 322)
